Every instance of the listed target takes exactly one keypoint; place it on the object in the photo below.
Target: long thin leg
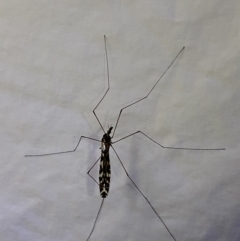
(62, 152)
(96, 219)
(107, 88)
(144, 196)
(148, 92)
(168, 147)
(91, 169)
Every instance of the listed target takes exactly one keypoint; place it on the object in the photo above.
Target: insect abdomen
(104, 175)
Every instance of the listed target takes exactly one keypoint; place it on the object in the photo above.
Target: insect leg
(168, 147)
(91, 169)
(62, 152)
(95, 219)
(148, 92)
(107, 88)
(144, 196)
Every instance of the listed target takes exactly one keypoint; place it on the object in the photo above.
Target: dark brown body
(105, 167)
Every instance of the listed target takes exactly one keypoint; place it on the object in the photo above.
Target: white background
(52, 75)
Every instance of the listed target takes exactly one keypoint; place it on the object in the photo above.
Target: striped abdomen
(104, 174)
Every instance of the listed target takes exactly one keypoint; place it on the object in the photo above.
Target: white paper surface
(53, 73)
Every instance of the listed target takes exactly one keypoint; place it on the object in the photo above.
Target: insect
(107, 143)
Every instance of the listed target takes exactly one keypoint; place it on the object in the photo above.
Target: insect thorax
(106, 142)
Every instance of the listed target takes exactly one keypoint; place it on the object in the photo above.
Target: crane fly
(105, 168)
(107, 143)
